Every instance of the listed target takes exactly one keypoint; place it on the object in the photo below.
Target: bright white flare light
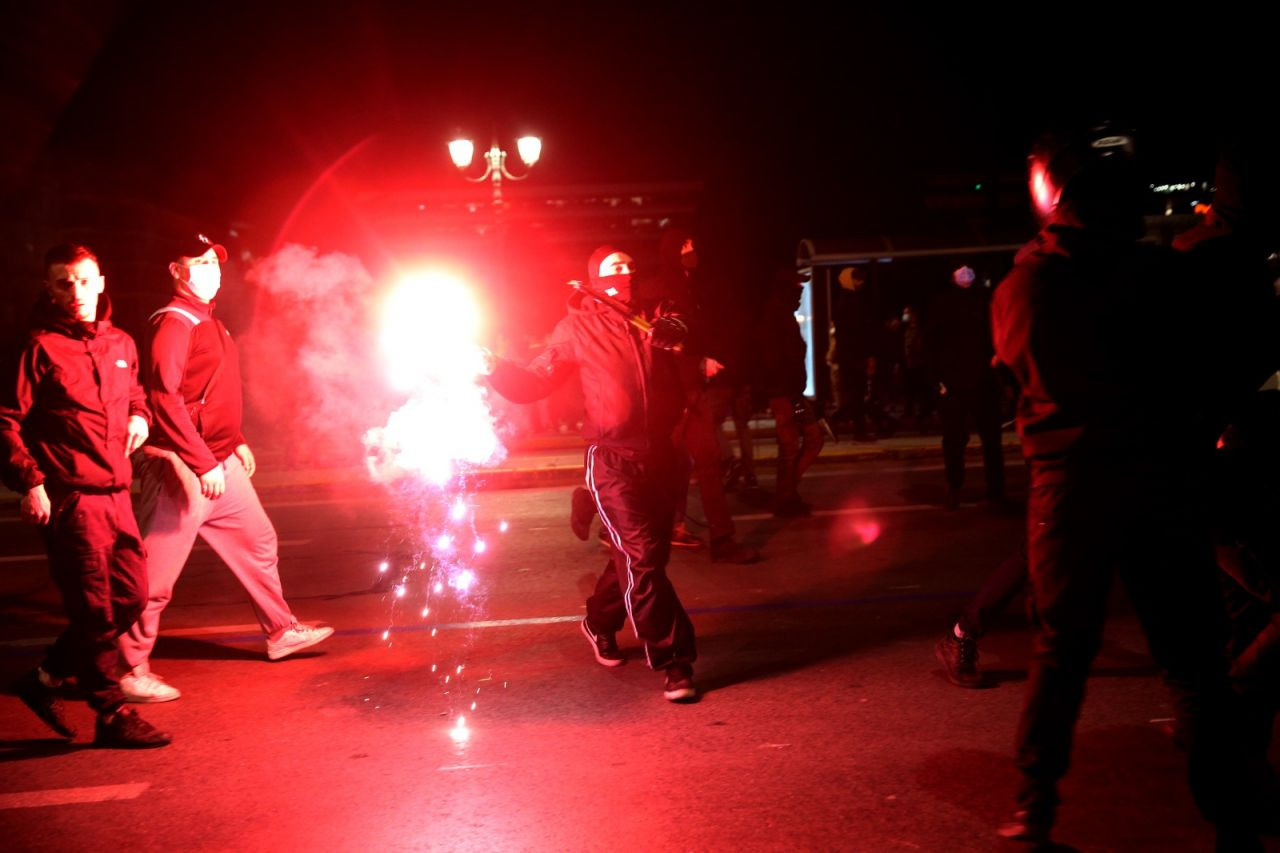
(480, 546)
(430, 324)
(459, 510)
(464, 581)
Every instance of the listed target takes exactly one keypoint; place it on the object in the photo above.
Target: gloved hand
(668, 332)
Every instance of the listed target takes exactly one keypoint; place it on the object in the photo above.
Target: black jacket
(957, 337)
(778, 354)
(1123, 350)
(632, 391)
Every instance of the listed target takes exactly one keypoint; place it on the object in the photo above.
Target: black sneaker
(604, 647)
(679, 686)
(124, 729)
(43, 702)
(959, 657)
(729, 550)
(583, 509)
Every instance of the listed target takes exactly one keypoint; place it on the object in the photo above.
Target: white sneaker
(296, 638)
(147, 687)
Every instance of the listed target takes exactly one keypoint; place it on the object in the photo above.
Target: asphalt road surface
(824, 722)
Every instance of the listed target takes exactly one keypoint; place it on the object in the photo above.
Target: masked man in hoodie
(69, 418)
(634, 400)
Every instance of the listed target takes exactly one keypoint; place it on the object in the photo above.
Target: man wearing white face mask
(195, 475)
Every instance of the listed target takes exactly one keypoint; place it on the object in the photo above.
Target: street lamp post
(529, 148)
(462, 152)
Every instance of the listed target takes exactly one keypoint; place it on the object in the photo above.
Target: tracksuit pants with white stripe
(635, 494)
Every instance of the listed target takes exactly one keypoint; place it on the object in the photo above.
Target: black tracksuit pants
(98, 563)
(635, 494)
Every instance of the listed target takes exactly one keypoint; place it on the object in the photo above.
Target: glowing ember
(459, 511)
(460, 733)
(465, 580)
(445, 542)
(425, 611)
(400, 592)
(502, 527)
(480, 546)
(439, 587)
(386, 634)
(384, 566)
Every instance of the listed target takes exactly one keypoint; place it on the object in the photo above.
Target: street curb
(560, 473)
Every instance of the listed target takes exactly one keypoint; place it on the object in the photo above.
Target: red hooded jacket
(64, 417)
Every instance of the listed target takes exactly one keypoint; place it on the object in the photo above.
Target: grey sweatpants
(171, 513)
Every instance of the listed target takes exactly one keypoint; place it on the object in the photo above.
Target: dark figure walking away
(1102, 334)
(958, 338)
(779, 377)
(69, 418)
(676, 289)
(857, 342)
(634, 400)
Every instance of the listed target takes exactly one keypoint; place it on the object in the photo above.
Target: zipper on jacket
(644, 389)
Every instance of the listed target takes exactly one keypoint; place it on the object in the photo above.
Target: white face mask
(204, 280)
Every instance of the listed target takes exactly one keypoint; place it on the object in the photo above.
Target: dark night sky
(800, 117)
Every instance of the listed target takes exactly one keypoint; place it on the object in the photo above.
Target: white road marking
(70, 796)
(507, 623)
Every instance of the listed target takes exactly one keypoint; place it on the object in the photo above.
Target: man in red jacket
(195, 474)
(68, 421)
